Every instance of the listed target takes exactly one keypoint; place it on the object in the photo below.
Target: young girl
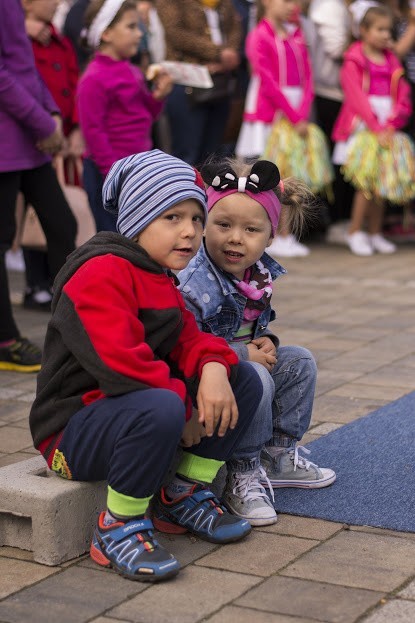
(280, 91)
(376, 98)
(116, 110)
(124, 361)
(228, 287)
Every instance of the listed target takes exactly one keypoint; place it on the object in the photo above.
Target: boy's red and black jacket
(118, 325)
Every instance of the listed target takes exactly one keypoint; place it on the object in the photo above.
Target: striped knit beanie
(139, 188)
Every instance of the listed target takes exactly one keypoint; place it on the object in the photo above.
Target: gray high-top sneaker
(245, 496)
(289, 469)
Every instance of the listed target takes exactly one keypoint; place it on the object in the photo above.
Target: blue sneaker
(132, 551)
(200, 513)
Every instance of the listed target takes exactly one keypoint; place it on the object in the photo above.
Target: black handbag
(224, 85)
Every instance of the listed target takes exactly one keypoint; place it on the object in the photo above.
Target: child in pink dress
(377, 98)
(280, 88)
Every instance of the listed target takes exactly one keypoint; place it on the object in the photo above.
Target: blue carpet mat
(374, 458)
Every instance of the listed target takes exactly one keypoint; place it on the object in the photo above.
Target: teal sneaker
(289, 469)
(131, 550)
(198, 512)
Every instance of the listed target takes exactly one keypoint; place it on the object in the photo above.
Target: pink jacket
(116, 111)
(355, 81)
(268, 69)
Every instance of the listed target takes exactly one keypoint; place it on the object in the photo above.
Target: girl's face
(121, 40)
(279, 10)
(42, 10)
(237, 232)
(378, 34)
(174, 238)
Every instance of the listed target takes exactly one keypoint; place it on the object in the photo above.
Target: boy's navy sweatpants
(131, 440)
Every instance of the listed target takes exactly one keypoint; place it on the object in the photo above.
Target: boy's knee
(170, 413)
(298, 357)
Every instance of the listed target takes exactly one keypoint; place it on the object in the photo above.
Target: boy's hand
(215, 400)
(193, 431)
(262, 350)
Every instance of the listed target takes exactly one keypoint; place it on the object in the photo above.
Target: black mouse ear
(209, 172)
(267, 173)
(219, 177)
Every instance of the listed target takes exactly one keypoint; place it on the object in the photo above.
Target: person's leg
(357, 239)
(93, 181)
(187, 125)
(198, 509)
(295, 376)
(244, 495)
(16, 353)
(375, 225)
(38, 281)
(41, 188)
(129, 441)
(9, 187)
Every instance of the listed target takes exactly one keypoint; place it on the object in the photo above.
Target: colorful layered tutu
(384, 172)
(306, 158)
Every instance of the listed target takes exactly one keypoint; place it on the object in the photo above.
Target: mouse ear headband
(260, 185)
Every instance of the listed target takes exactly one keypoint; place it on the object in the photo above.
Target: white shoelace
(300, 461)
(247, 484)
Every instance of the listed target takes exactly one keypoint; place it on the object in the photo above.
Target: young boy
(123, 363)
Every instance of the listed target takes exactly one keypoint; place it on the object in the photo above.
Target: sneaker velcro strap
(203, 495)
(131, 528)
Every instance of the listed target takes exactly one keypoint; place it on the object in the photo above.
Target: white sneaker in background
(381, 245)
(287, 246)
(15, 261)
(359, 243)
(337, 233)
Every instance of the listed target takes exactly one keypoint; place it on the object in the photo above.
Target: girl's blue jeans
(284, 413)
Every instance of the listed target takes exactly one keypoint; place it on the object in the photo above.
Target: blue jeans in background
(196, 130)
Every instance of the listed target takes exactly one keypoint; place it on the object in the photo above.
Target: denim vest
(214, 300)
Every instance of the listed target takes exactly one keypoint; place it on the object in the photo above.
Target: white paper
(188, 74)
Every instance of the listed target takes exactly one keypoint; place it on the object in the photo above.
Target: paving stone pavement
(357, 317)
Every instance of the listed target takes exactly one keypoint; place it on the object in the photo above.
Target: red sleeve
(73, 73)
(195, 348)
(102, 293)
(351, 81)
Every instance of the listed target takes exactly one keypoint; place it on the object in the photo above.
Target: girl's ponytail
(299, 204)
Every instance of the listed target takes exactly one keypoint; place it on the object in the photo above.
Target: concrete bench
(43, 513)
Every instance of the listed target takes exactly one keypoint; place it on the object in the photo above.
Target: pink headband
(267, 198)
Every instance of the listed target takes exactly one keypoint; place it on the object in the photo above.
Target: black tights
(40, 188)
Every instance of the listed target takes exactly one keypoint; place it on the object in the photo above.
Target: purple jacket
(25, 103)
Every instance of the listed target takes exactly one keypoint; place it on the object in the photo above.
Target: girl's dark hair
(297, 200)
(93, 9)
(373, 12)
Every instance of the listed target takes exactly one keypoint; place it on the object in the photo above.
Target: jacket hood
(103, 243)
